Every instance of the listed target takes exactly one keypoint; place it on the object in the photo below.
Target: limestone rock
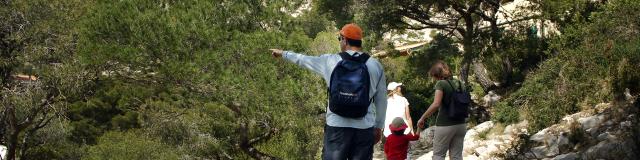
(426, 137)
(540, 136)
(537, 152)
(490, 99)
(611, 150)
(568, 156)
(3, 152)
(625, 124)
(427, 156)
(603, 136)
(602, 107)
(591, 122)
(482, 127)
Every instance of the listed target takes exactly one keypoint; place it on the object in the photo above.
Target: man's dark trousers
(342, 143)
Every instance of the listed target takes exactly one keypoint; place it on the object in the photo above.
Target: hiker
(397, 106)
(449, 131)
(357, 96)
(397, 145)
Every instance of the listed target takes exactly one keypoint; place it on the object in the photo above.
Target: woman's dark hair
(400, 132)
(440, 70)
(355, 43)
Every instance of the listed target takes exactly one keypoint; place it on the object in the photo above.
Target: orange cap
(351, 31)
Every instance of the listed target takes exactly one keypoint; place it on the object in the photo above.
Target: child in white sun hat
(397, 106)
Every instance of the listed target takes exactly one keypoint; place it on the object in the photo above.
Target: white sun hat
(393, 85)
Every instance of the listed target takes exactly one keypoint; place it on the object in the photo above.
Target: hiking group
(362, 107)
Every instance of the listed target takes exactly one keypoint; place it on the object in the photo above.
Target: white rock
(524, 130)
(608, 123)
(507, 138)
(510, 129)
(570, 118)
(470, 135)
(603, 136)
(625, 124)
(484, 126)
(492, 149)
(568, 156)
(491, 98)
(473, 132)
(471, 157)
(481, 150)
(591, 122)
(552, 150)
(3, 152)
(540, 136)
(427, 156)
(563, 141)
(611, 150)
(470, 147)
(426, 137)
(538, 152)
(602, 106)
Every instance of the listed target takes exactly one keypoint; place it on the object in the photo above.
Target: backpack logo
(349, 85)
(348, 94)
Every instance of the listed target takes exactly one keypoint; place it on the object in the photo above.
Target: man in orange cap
(357, 95)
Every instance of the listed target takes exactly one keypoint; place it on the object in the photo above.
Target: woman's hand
(421, 123)
(377, 135)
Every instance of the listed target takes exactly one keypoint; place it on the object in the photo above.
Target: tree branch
(243, 142)
(265, 136)
(513, 21)
(247, 146)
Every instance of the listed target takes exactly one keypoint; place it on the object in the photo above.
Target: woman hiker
(449, 133)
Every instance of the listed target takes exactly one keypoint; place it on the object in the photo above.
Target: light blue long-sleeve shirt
(324, 65)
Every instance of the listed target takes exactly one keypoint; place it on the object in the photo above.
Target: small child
(397, 144)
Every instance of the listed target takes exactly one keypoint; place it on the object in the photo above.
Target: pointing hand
(276, 53)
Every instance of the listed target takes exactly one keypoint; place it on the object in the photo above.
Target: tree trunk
(467, 44)
(482, 76)
(466, 63)
(13, 145)
(507, 72)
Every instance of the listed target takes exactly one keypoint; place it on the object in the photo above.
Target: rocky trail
(603, 131)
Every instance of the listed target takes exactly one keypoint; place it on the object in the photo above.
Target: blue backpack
(457, 102)
(349, 85)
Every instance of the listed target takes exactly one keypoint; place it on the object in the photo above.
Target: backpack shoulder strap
(362, 58)
(461, 87)
(453, 87)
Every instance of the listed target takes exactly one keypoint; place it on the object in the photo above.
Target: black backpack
(349, 85)
(457, 106)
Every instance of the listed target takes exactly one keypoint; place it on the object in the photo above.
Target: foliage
(193, 79)
(130, 145)
(173, 70)
(521, 49)
(466, 22)
(592, 66)
(565, 13)
(36, 40)
(324, 43)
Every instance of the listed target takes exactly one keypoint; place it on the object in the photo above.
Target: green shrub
(504, 113)
(130, 145)
(591, 65)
